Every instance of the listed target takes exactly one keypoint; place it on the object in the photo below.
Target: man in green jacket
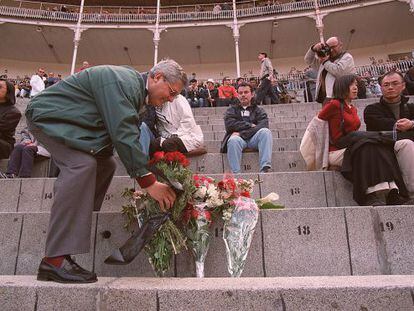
(81, 120)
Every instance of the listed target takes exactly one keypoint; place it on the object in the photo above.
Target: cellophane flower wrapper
(238, 233)
(198, 235)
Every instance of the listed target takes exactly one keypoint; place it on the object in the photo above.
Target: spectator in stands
(362, 88)
(310, 76)
(24, 87)
(331, 61)
(170, 127)
(217, 8)
(195, 96)
(226, 7)
(394, 111)
(51, 79)
(239, 81)
(253, 84)
(85, 65)
(247, 126)
(375, 88)
(227, 93)
(212, 93)
(23, 156)
(266, 75)
(409, 81)
(282, 95)
(367, 161)
(9, 118)
(80, 121)
(37, 83)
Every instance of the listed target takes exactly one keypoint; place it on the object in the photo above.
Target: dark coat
(369, 159)
(409, 84)
(379, 117)
(9, 118)
(234, 122)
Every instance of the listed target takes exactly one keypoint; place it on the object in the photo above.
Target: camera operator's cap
(210, 80)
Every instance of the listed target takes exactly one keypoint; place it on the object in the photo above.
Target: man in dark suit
(394, 113)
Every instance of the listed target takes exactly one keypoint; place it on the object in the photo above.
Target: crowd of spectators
(172, 126)
(223, 93)
(29, 86)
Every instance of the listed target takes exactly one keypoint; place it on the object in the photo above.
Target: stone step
(272, 119)
(216, 163)
(209, 163)
(380, 293)
(208, 111)
(272, 126)
(276, 133)
(287, 242)
(279, 144)
(296, 190)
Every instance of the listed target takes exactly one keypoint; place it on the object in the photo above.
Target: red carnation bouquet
(170, 237)
(190, 218)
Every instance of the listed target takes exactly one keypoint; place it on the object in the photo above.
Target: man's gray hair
(171, 70)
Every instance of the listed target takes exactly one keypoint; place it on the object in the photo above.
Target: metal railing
(379, 69)
(102, 16)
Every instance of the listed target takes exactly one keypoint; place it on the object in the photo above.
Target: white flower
(226, 215)
(270, 198)
(200, 193)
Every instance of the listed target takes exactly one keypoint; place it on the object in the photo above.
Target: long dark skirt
(367, 164)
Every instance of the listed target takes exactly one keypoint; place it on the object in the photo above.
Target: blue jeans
(145, 138)
(195, 103)
(262, 141)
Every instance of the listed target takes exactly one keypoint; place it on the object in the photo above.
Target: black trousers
(265, 88)
(21, 160)
(5, 149)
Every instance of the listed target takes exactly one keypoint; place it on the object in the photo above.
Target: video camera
(324, 51)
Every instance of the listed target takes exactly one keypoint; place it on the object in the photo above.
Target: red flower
(245, 194)
(176, 157)
(157, 157)
(207, 214)
(187, 212)
(194, 214)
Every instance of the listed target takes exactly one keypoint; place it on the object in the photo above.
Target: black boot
(372, 199)
(394, 198)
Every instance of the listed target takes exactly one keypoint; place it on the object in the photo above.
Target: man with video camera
(331, 62)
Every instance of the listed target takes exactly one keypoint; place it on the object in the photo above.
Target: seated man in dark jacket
(247, 126)
(9, 118)
(394, 112)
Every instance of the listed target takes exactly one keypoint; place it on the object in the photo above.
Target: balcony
(133, 15)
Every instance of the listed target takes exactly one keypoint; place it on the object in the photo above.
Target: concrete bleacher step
(379, 293)
(216, 163)
(279, 144)
(296, 190)
(287, 242)
(283, 160)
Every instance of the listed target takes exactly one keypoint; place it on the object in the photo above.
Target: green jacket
(94, 111)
